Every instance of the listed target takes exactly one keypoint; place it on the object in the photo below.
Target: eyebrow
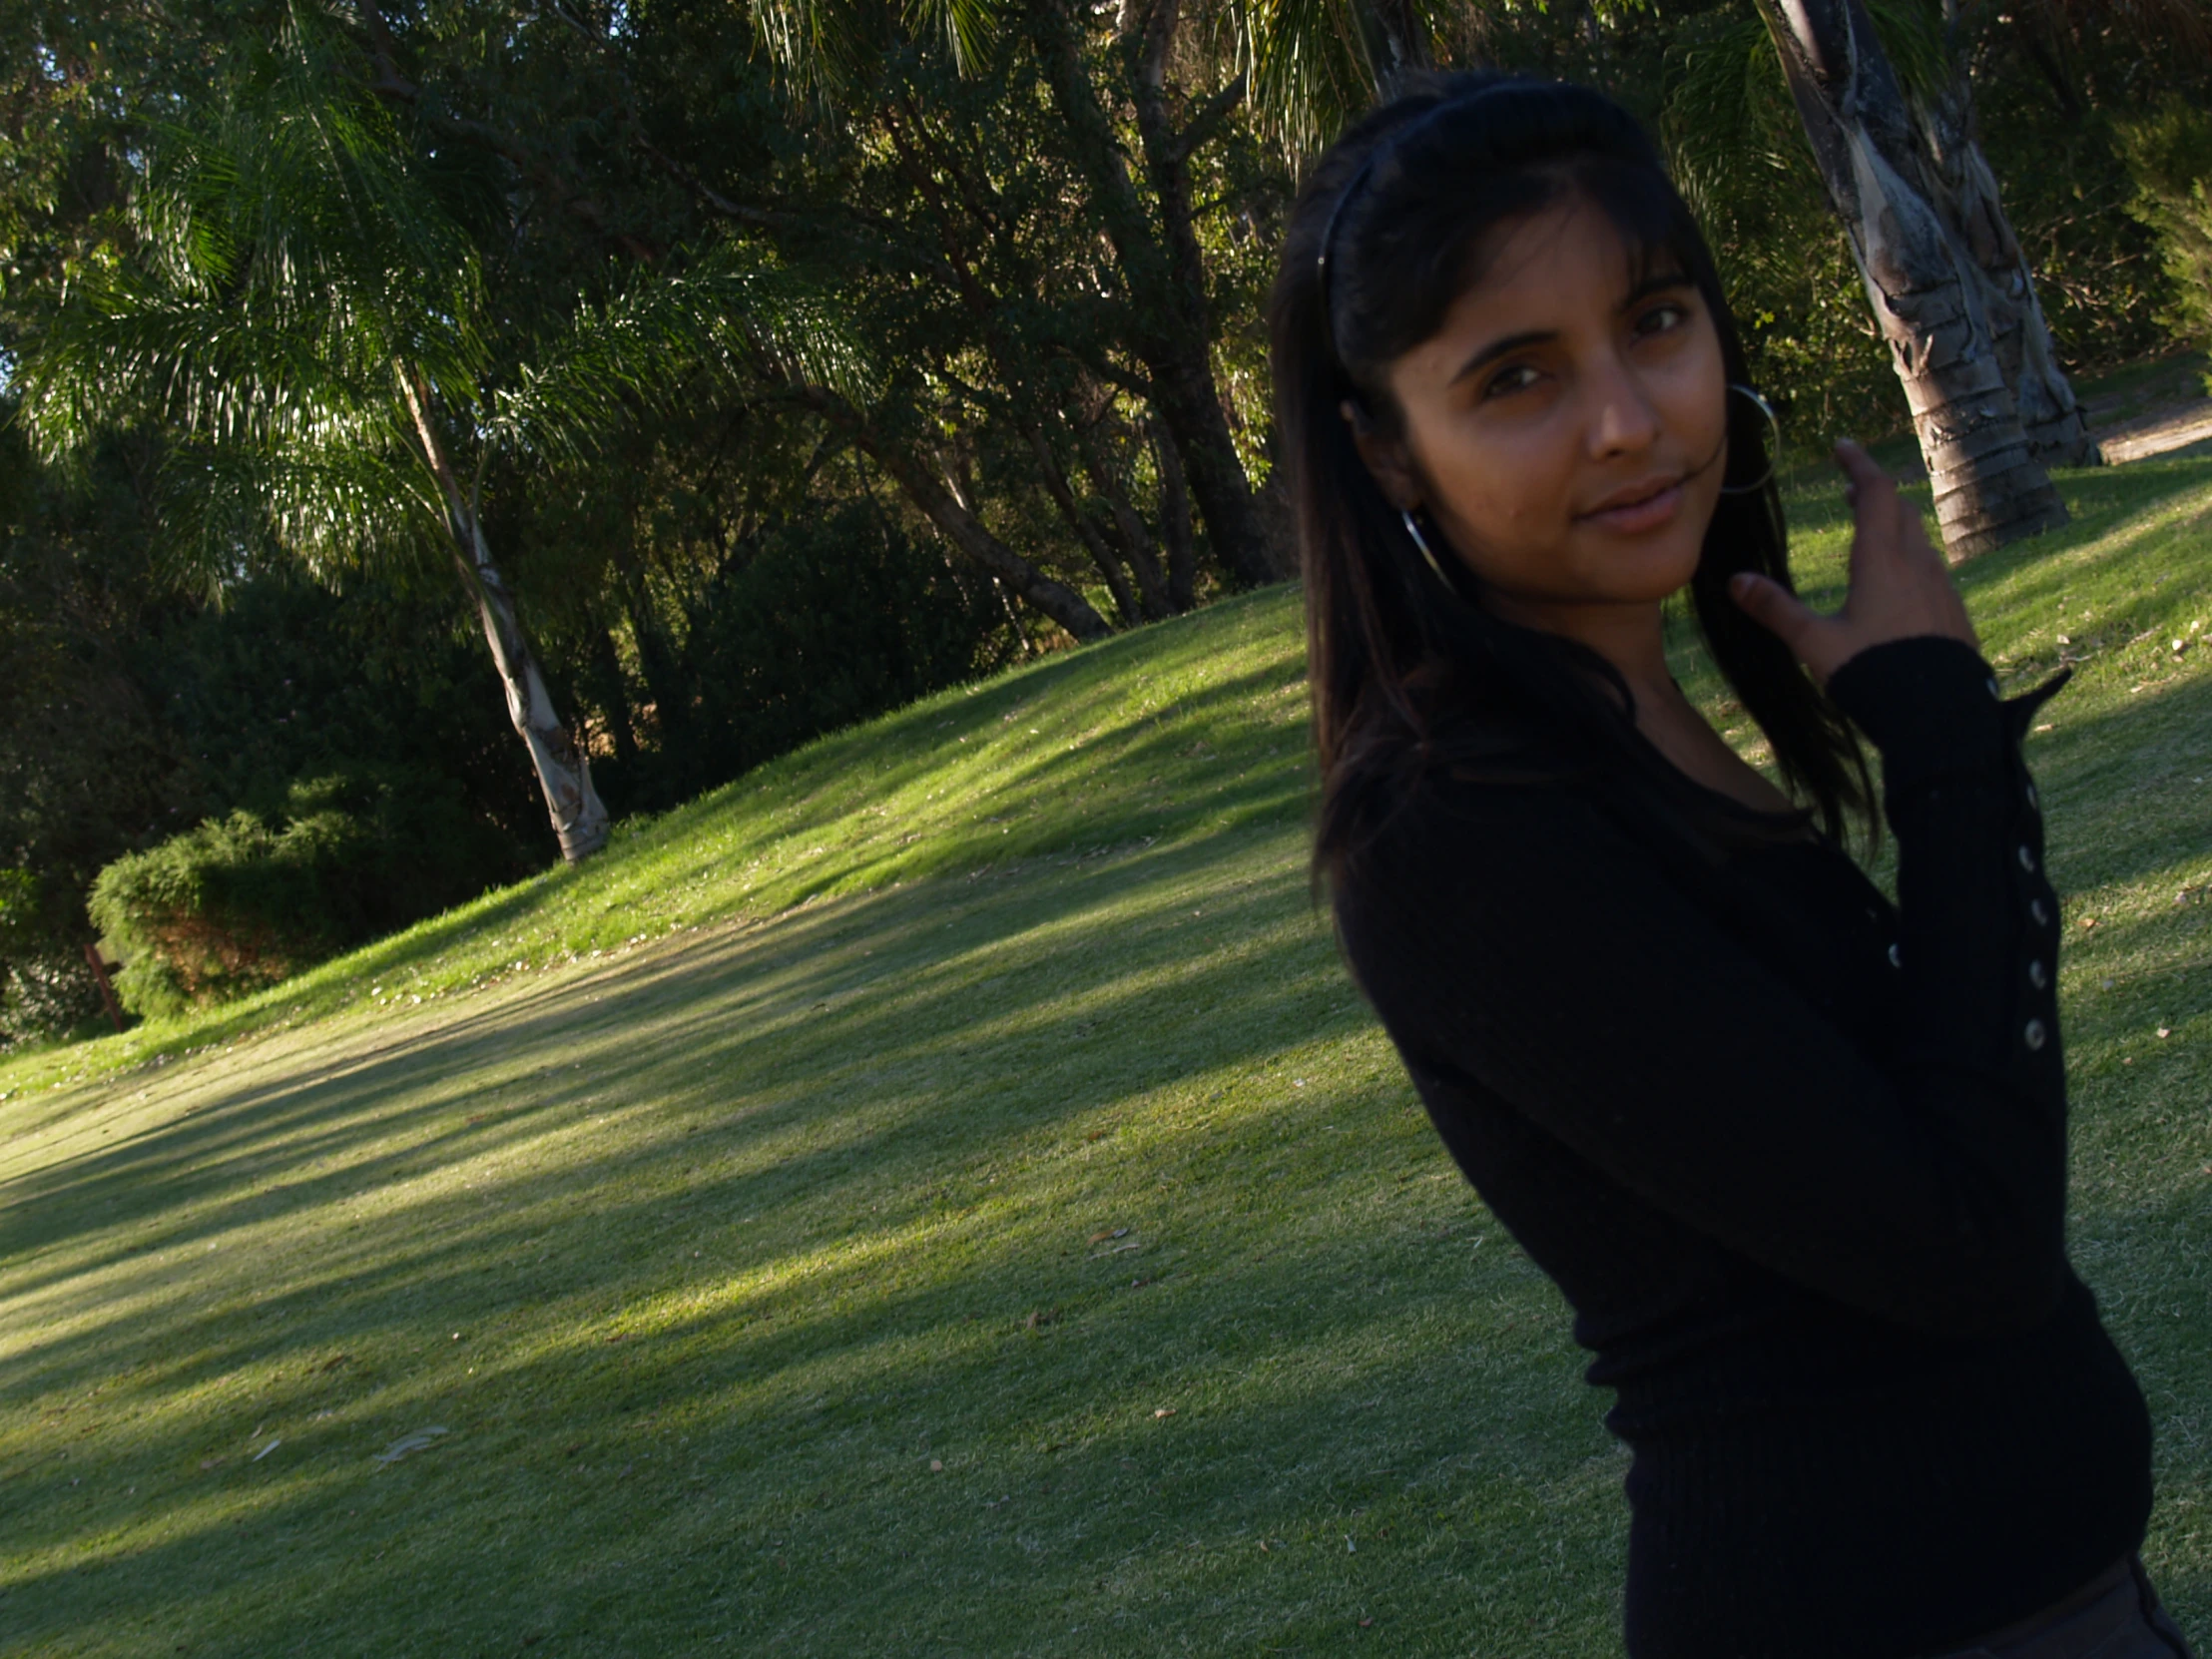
(1657, 283)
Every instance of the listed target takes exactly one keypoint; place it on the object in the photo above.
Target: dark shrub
(828, 623)
(242, 901)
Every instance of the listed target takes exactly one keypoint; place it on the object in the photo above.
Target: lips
(1644, 505)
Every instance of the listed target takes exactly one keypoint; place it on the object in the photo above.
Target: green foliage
(41, 981)
(303, 299)
(243, 902)
(130, 711)
(830, 622)
(2169, 151)
(18, 907)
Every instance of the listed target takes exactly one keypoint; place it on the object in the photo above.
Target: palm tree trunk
(1967, 197)
(1925, 286)
(562, 767)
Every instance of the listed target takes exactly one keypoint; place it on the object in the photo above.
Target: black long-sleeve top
(1797, 1157)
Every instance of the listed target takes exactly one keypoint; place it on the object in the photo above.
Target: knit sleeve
(1521, 941)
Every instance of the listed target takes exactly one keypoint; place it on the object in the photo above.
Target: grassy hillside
(942, 1195)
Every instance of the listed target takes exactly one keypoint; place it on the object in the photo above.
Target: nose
(1622, 417)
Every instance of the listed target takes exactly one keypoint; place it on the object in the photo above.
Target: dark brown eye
(1663, 317)
(1509, 380)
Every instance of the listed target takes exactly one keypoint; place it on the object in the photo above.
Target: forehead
(1569, 255)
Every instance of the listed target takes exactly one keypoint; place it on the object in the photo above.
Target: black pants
(2116, 1616)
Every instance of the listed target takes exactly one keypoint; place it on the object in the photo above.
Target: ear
(1386, 458)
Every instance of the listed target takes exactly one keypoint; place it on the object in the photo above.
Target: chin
(1646, 575)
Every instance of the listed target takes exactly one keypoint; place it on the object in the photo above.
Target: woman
(1795, 1155)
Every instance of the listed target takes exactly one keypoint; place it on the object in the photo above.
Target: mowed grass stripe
(1030, 1128)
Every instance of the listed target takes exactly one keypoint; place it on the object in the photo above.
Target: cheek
(1499, 482)
(1698, 397)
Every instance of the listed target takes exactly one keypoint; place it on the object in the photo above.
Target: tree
(1943, 273)
(304, 314)
(1102, 83)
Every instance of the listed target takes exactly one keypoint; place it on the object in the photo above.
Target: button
(2027, 859)
(2031, 801)
(2035, 909)
(1895, 961)
(2034, 1034)
(1993, 688)
(2036, 976)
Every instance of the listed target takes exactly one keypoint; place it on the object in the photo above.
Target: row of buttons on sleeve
(2035, 1033)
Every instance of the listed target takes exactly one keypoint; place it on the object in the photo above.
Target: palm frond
(1727, 122)
(970, 29)
(1311, 66)
(733, 312)
(285, 259)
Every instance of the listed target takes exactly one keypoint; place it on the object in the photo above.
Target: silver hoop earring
(1774, 429)
(1412, 528)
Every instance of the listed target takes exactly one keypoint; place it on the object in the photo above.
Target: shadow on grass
(914, 1163)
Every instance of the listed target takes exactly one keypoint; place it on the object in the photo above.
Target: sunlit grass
(963, 1209)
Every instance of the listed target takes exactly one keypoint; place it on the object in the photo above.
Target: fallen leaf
(2088, 922)
(1110, 1233)
(2164, 1032)
(936, 1467)
(407, 1443)
(1165, 1412)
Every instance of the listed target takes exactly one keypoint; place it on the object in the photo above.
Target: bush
(242, 901)
(2169, 151)
(818, 624)
(45, 987)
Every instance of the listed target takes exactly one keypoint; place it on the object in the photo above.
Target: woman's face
(1566, 427)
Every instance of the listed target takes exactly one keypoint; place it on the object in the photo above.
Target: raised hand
(1899, 586)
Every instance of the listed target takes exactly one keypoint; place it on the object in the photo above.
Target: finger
(1913, 534)
(1775, 607)
(1870, 492)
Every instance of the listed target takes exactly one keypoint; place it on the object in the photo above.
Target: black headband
(1389, 144)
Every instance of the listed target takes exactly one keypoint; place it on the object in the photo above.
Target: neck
(1631, 635)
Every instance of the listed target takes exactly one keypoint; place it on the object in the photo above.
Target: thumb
(1773, 606)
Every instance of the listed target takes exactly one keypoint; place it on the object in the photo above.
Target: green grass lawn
(941, 1193)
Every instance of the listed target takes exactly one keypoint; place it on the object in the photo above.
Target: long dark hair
(1403, 673)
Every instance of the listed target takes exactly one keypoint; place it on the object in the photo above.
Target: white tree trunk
(1927, 289)
(563, 768)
